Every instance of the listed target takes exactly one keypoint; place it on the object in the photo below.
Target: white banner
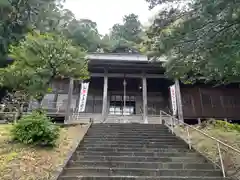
(83, 97)
(173, 99)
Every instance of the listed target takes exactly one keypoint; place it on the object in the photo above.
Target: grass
(31, 163)
(208, 147)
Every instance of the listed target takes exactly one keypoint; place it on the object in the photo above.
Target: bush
(227, 126)
(207, 123)
(36, 129)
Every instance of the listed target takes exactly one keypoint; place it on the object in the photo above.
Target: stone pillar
(144, 94)
(179, 100)
(69, 102)
(199, 121)
(105, 96)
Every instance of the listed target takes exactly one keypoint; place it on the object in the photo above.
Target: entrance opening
(117, 105)
(157, 96)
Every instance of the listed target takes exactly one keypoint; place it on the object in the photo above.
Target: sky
(106, 13)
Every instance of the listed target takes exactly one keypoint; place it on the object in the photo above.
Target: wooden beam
(79, 84)
(144, 95)
(179, 100)
(105, 95)
(69, 102)
(122, 75)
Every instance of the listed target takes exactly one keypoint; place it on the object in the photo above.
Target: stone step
(145, 154)
(129, 141)
(129, 138)
(122, 135)
(124, 149)
(145, 140)
(128, 131)
(138, 178)
(131, 133)
(138, 159)
(169, 146)
(135, 144)
(131, 129)
(160, 136)
(149, 165)
(157, 125)
(145, 129)
(127, 125)
(139, 172)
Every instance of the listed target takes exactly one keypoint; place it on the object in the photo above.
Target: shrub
(206, 123)
(227, 126)
(36, 129)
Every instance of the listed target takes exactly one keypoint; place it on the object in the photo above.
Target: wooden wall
(207, 102)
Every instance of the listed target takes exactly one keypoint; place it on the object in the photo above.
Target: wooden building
(127, 87)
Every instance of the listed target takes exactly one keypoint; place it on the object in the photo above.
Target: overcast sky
(108, 12)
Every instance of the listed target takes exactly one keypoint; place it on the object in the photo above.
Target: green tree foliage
(84, 33)
(53, 19)
(132, 28)
(16, 19)
(41, 58)
(124, 37)
(200, 41)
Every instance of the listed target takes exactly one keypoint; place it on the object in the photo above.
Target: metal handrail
(213, 138)
(201, 132)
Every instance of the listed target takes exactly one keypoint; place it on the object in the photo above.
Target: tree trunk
(39, 102)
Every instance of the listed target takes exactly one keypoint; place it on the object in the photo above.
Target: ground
(29, 163)
(208, 147)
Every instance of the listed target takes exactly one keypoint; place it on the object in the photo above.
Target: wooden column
(179, 100)
(144, 94)
(124, 99)
(105, 95)
(69, 102)
(79, 92)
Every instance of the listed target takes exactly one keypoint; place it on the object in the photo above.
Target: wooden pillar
(69, 102)
(105, 95)
(179, 100)
(144, 94)
(79, 94)
(124, 99)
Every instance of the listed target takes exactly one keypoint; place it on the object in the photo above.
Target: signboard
(173, 99)
(83, 96)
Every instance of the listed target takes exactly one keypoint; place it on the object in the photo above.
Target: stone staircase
(136, 151)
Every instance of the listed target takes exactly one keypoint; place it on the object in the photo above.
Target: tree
(200, 42)
(130, 30)
(16, 19)
(53, 19)
(124, 37)
(39, 59)
(84, 32)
